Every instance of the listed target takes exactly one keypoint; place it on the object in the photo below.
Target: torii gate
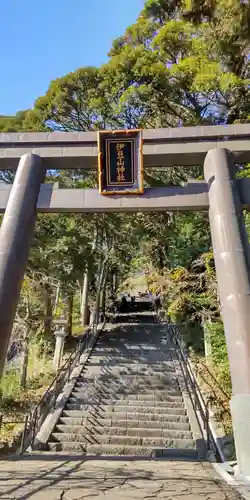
(220, 146)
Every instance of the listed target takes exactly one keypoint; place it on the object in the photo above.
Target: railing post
(207, 426)
(232, 260)
(24, 434)
(69, 370)
(55, 395)
(33, 430)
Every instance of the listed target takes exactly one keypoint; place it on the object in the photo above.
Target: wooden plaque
(120, 162)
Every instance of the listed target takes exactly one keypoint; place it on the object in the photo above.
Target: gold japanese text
(120, 164)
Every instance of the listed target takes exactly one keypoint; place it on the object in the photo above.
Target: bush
(219, 356)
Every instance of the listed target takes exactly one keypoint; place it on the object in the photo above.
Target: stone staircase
(128, 399)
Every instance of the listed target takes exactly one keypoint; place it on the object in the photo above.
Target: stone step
(151, 376)
(125, 388)
(137, 353)
(175, 408)
(144, 372)
(131, 451)
(156, 395)
(99, 430)
(124, 399)
(144, 364)
(134, 344)
(143, 381)
(141, 417)
(150, 401)
(124, 410)
(135, 368)
(123, 440)
(124, 380)
(160, 395)
(130, 347)
(138, 356)
(127, 400)
(142, 378)
(117, 422)
(134, 363)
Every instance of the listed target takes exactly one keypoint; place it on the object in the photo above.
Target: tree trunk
(84, 302)
(80, 286)
(172, 218)
(48, 310)
(103, 291)
(70, 303)
(57, 298)
(114, 283)
(25, 360)
(207, 339)
(99, 289)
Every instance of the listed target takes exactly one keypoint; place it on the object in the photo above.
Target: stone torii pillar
(15, 238)
(232, 260)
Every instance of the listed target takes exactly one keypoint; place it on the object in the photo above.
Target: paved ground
(53, 477)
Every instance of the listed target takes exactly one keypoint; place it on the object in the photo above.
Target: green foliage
(23, 121)
(17, 402)
(77, 101)
(39, 374)
(219, 355)
(189, 61)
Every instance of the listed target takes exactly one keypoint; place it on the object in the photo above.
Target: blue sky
(41, 40)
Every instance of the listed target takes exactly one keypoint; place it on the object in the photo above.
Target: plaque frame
(106, 186)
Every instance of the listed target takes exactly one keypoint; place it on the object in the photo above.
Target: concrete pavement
(68, 477)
